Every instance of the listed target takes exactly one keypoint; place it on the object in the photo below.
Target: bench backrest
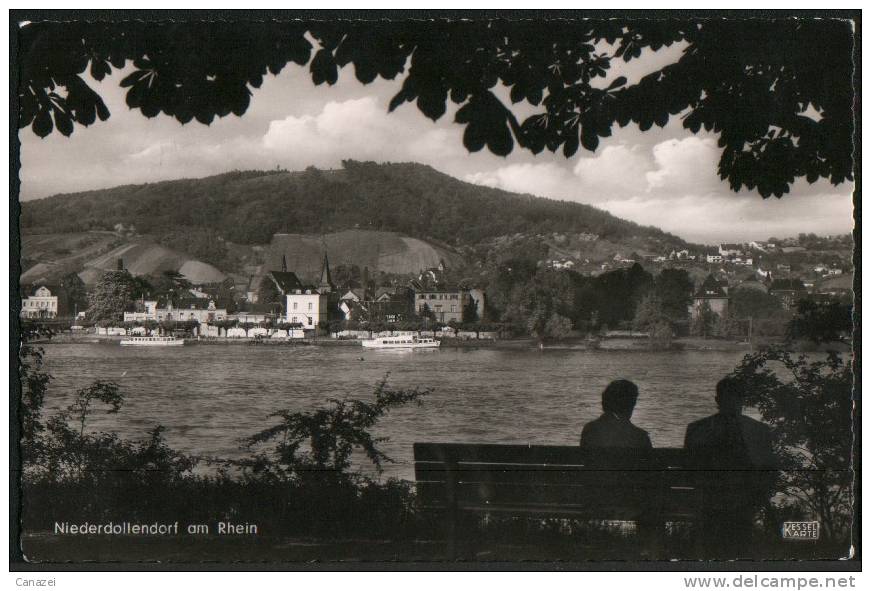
(555, 480)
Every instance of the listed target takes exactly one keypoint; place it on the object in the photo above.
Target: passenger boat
(402, 342)
(153, 341)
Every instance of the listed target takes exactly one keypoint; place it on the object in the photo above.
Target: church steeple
(326, 284)
(284, 263)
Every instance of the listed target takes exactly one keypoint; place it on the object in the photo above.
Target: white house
(40, 305)
(714, 258)
(731, 250)
(149, 312)
(195, 311)
(307, 307)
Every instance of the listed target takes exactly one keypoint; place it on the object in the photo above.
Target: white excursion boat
(402, 342)
(153, 341)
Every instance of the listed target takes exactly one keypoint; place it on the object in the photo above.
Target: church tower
(326, 284)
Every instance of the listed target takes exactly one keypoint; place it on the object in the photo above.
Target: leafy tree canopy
(777, 92)
(111, 296)
(821, 322)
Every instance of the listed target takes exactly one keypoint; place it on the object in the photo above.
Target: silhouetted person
(613, 429)
(737, 461)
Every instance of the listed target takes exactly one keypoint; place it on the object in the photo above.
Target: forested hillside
(199, 215)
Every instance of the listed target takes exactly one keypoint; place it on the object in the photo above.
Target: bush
(302, 486)
(809, 404)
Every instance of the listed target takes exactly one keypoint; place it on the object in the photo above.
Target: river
(209, 397)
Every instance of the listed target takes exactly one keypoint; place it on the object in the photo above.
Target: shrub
(809, 404)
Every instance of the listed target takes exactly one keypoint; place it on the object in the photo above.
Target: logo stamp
(801, 530)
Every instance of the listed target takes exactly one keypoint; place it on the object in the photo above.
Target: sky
(665, 177)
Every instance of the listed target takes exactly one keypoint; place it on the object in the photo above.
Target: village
(726, 285)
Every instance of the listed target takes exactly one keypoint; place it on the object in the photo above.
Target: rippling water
(208, 397)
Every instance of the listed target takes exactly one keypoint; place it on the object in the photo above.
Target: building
(714, 294)
(384, 305)
(309, 305)
(191, 309)
(249, 317)
(146, 310)
(445, 304)
(42, 304)
(731, 250)
(353, 295)
(714, 258)
(788, 291)
(758, 245)
(276, 286)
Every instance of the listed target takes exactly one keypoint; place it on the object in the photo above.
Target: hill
(48, 257)
(198, 216)
(386, 251)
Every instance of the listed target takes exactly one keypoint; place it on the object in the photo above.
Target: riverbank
(576, 344)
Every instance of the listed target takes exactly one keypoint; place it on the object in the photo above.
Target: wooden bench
(655, 486)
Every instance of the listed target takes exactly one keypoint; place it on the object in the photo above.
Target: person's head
(620, 397)
(730, 396)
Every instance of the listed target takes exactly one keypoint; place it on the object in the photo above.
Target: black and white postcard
(438, 289)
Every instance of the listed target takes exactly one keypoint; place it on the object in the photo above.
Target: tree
(809, 406)
(75, 297)
(615, 295)
(111, 296)
(426, 312)
(754, 303)
(650, 317)
(268, 294)
(321, 441)
(557, 327)
(821, 322)
(33, 381)
(779, 92)
(726, 324)
(169, 285)
(105, 392)
(470, 311)
(674, 289)
(544, 302)
(704, 320)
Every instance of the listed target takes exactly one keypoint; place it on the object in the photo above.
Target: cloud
(617, 170)
(545, 179)
(360, 129)
(664, 176)
(673, 184)
(713, 218)
(688, 164)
